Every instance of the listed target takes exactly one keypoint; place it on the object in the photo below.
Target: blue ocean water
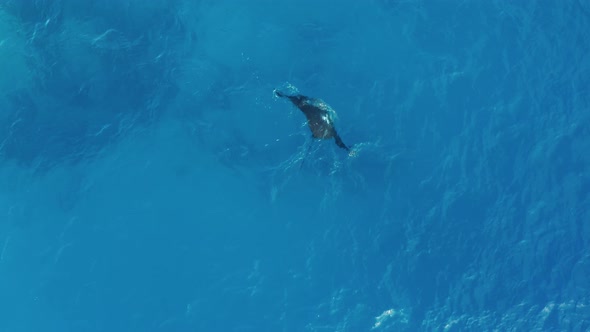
(150, 180)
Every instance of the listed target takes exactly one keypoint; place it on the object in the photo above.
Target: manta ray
(320, 117)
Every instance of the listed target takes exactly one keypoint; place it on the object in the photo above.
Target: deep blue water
(151, 181)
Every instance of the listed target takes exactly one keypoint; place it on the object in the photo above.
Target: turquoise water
(150, 180)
